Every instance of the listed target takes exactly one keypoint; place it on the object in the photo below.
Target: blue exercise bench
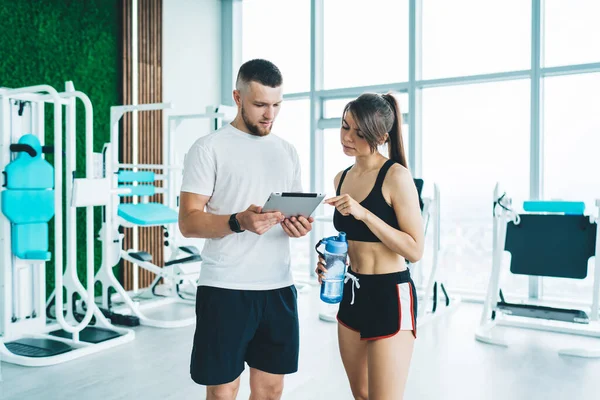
(148, 214)
(28, 201)
(181, 265)
(143, 214)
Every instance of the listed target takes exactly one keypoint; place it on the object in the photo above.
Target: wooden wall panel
(150, 142)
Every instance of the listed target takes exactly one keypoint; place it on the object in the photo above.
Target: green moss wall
(53, 41)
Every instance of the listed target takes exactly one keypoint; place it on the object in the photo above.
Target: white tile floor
(448, 364)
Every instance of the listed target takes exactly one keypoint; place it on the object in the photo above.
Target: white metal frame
(136, 303)
(431, 213)
(114, 239)
(14, 326)
(485, 331)
(213, 114)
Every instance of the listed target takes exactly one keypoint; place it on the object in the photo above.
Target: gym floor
(448, 364)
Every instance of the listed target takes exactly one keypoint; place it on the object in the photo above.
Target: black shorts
(234, 327)
(383, 305)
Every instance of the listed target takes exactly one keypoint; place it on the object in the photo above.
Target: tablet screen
(294, 204)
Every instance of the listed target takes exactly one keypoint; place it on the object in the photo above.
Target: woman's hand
(321, 270)
(346, 205)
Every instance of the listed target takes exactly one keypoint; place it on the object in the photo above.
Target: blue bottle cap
(337, 245)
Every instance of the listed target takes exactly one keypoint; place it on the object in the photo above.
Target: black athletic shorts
(379, 306)
(234, 327)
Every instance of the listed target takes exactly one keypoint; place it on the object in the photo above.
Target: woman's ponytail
(396, 144)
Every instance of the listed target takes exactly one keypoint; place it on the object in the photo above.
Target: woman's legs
(385, 312)
(388, 365)
(354, 357)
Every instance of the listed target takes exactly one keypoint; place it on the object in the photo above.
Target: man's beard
(255, 129)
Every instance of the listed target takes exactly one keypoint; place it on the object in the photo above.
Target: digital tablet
(293, 204)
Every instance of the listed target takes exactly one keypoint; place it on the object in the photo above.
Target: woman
(377, 205)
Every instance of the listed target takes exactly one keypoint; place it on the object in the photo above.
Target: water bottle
(336, 251)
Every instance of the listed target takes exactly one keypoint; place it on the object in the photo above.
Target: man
(246, 310)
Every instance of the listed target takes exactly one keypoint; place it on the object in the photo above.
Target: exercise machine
(433, 297)
(548, 239)
(176, 280)
(31, 196)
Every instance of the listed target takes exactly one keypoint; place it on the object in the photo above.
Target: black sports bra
(374, 202)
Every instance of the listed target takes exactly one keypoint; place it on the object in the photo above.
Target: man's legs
(227, 391)
(273, 352)
(226, 322)
(265, 386)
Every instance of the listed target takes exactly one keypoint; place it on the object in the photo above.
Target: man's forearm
(200, 224)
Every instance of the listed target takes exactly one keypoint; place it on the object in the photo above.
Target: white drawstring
(354, 283)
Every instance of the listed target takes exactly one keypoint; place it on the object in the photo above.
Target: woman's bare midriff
(374, 258)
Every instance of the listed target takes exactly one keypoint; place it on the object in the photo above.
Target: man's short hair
(261, 71)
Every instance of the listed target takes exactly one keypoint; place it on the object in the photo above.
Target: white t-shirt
(238, 169)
